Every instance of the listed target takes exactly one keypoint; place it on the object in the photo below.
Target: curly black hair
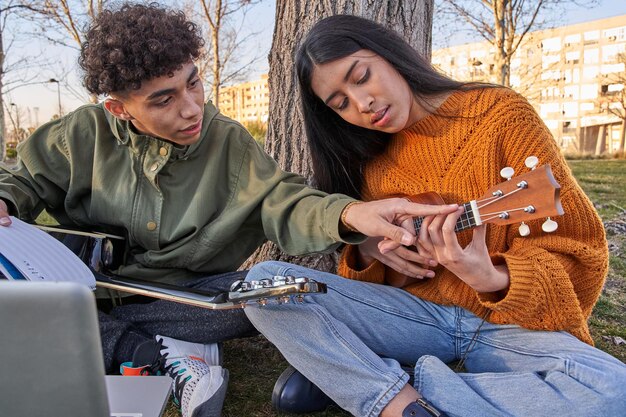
(136, 43)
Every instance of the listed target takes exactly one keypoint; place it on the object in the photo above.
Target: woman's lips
(380, 118)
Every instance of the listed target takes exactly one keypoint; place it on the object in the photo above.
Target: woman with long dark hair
(510, 302)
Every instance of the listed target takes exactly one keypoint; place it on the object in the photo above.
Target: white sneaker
(211, 354)
(199, 387)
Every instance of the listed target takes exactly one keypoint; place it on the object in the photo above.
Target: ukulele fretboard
(466, 221)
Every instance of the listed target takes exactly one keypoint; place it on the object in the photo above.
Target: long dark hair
(339, 149)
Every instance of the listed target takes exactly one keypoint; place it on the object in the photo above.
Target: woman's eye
(343, 104)
(364, 78)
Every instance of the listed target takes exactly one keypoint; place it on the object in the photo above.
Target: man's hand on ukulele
(380, 218)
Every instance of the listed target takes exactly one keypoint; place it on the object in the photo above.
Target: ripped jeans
(352, 341)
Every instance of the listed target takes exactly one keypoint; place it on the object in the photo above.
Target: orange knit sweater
(555, 279)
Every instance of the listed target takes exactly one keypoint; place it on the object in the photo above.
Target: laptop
(52, 361)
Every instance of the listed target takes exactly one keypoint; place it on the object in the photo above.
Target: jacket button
(163, 151)
(151, 226)
(154, 167)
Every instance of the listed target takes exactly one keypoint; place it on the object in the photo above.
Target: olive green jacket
(186, 212)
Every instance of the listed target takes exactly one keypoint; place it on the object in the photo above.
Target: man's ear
(117, 108)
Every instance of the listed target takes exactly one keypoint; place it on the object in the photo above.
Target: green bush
(257, 129)
(11, 153)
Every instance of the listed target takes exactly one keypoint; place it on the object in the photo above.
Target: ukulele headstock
(529, 196)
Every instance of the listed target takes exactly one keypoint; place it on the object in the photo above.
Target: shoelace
(179, 382)
(159, 361)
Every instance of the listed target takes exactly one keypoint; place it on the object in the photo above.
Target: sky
(38, 101)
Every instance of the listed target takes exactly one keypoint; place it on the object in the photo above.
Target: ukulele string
(494, 199)
(484, 217)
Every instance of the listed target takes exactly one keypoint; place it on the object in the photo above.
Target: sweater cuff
(375, 272)
(522, 280)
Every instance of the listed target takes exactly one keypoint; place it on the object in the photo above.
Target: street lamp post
(17, 123)
(17, 116)
(54, 80)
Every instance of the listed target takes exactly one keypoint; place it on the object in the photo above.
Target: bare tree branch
(503, 23)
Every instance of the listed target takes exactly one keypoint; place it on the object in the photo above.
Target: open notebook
(28, 253)
(52, 361)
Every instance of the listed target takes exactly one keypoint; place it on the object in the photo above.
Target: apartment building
(246, 102)
(572, 75)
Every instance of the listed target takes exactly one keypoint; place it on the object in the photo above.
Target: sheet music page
(40, 257)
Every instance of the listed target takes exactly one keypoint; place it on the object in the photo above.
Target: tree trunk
(217, 64)
(601, 142)
(501, 62)
(286, 140)
(622, 140)
(3, 129)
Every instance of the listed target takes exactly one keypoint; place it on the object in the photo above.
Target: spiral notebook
(28, 253)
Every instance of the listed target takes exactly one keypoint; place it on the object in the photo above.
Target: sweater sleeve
(375, 272)
(555, 279)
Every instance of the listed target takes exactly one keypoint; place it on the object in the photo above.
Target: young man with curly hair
(190, 189)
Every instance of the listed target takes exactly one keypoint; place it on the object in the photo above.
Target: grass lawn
(604, 181)
(254, 364)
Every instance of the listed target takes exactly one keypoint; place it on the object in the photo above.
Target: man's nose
(190, 108)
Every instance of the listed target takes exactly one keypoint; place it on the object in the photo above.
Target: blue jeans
(352, 341)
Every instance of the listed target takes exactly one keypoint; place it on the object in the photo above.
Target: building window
(588, 91)
(572, 39)
(592, 56)
(615, 34)
(551, 45)
(611, 53)
(611, 89)
(591, 37)
(572, 57)
(591, 73)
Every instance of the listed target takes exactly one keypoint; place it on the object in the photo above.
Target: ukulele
(529, 196)
(103, 253)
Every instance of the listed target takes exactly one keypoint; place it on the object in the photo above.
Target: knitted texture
(555, 279)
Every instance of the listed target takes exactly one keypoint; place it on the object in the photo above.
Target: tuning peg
(531, 162)
(524, 230)
(549, 226)
(507, 172)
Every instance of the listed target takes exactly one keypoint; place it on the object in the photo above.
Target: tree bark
(2, 121)
(601, 142)
(286, 140)
(622, 139)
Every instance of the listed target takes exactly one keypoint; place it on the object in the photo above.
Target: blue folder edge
(7, 268)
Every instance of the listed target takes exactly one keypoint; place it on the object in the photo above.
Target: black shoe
(293, 393)
(420, 408)
(147, 360)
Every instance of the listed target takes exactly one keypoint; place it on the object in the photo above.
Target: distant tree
(257, 129)
(286, 140)
(613, 99)
(65, 22)
(226, 43)
(503, 23)
(9, 9)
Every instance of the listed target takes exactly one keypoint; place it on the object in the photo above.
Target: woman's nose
(364, 103)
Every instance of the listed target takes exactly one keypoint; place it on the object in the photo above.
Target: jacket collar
(126, 135)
